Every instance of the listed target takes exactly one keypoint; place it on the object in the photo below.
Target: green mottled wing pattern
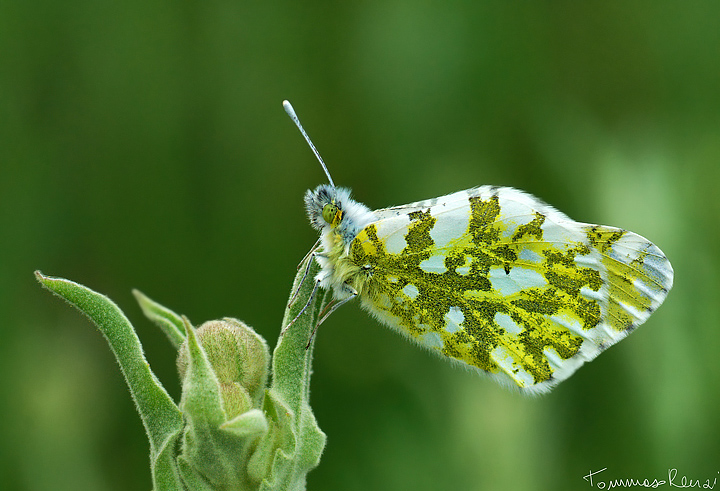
(503, 283)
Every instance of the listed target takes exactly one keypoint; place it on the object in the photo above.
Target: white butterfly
(490, 277)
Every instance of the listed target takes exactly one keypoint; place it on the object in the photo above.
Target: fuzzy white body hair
(335, 241)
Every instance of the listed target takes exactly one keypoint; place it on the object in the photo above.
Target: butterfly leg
(312, 249)
(312, 297)
(309, 257)
(329, 309)
(307, 269)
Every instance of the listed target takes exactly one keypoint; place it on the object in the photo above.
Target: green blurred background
(144, 145)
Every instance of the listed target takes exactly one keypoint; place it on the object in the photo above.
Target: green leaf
(247, 424)
(160, 416)
(170, 322)
(294, 434)
(201, 400)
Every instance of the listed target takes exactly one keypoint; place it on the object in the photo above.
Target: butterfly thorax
(339, 219)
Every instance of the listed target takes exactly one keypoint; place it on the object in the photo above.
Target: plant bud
(239, 357)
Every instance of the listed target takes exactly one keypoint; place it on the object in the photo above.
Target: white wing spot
(518, 279)
(591, 260)
(411, 291)
(449, 225)
(391, 232)
(600, 295)
(514, 214)
(465, 268)
(434, 264)
(552, 232)
(530, 256)
(506, 322)
(454, 318)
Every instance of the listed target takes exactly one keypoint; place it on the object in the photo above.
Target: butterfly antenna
(291, 112)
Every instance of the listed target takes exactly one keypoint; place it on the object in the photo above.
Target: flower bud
(239, 357)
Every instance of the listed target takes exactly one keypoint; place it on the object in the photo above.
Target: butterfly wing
(458, 199)
(498, 280)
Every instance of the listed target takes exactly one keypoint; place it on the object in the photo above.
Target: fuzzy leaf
(170, 322)
(294, 435)
(250, 423)
(160, 416)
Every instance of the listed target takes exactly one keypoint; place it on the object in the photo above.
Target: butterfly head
(331, 209)
(324, 206)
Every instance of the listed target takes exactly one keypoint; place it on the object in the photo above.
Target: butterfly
(491, 277)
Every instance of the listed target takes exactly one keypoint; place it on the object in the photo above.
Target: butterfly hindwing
(498, 280)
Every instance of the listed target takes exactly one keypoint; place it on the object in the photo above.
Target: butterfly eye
(331, 214)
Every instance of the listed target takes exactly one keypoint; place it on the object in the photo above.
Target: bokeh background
(143, 145)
